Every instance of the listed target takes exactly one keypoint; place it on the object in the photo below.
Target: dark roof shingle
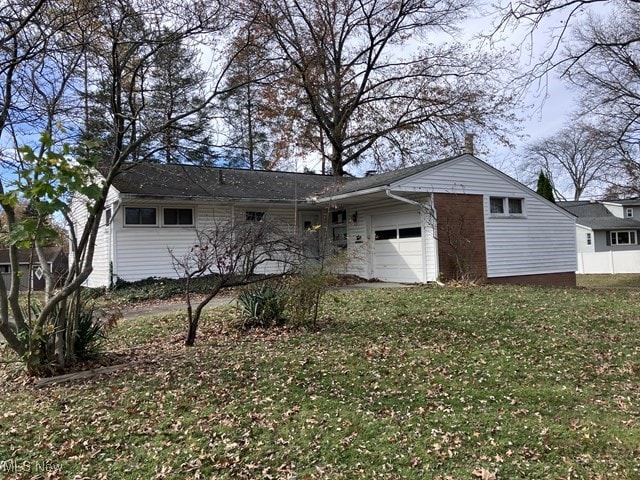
(387, 178)
(596, 216)
(191, 181)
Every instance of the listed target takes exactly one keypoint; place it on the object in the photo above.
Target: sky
(546, 105)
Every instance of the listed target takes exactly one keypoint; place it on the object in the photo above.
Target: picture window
(624, 238)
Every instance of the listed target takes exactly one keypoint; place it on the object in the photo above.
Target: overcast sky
(547, 104)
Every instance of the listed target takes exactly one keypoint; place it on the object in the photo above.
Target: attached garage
(397, 247)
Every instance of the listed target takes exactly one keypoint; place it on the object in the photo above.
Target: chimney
(468, 143)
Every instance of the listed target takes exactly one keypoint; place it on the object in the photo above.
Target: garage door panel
(399, 258)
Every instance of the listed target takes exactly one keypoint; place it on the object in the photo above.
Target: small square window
(629, 212)
(252, 216)
(140, 216)
(515, 206)
(178, 216)
(496, 204)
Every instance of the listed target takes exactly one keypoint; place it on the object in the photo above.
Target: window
(178, 216)
(506, 206)
(386, 234)
(588, 239)
(629, 212)
(515, 206)
(339, 229)
(623, 238)
(412, 232)
(339, 216)
(496, 204)
(252, 216)
(107, 216)
(139, 216)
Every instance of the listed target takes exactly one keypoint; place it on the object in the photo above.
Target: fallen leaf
(483, 474)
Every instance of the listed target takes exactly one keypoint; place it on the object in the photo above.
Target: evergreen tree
(545, 188)
(168, 84)
(175, 85)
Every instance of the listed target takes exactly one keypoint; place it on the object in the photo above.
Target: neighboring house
(416, 224)
(607, 235)
(57, 259)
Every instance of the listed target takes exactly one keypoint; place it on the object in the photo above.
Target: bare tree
(362, 87)
(234, 253)
(606, 69)
(578, 160)
(119, 41)
(594, 47)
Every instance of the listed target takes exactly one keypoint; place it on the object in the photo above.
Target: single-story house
(418, 224)
(607, 234)
(56, 257)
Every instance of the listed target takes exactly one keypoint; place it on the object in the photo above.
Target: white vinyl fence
(609, 262)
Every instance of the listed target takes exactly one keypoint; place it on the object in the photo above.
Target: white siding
(543, 241)
(103, 246)
(362, 247)
(615, 209)
(582, 234)
(144, 252)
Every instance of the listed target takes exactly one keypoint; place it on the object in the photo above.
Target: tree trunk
(191, 334)
(337, 168)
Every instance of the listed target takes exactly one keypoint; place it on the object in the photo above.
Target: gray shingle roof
(586, 209)
(382, 179)
(608, 223)
(596, 216)
(191, 181)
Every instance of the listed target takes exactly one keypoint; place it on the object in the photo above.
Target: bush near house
(424, 382)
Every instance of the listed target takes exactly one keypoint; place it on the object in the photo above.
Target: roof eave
(342, 196)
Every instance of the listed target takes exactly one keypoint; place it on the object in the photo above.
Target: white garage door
(397, 253)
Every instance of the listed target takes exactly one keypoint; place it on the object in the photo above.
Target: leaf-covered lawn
(425, 382)
(605, 280)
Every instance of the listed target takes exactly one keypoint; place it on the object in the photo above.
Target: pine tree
(176, 84)
(545, 188)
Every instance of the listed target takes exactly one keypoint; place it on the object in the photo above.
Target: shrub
(262, 305)
(91, 332)
(304, 294)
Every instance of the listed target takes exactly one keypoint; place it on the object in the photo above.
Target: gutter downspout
(432, 216)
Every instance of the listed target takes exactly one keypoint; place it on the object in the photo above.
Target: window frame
(140, 225)
(615, 234)
(179, 225)
(506, 203)
(589, 238)
(628, 213)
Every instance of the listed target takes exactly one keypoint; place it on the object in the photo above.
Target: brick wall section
(461, 223)
(562, 279)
